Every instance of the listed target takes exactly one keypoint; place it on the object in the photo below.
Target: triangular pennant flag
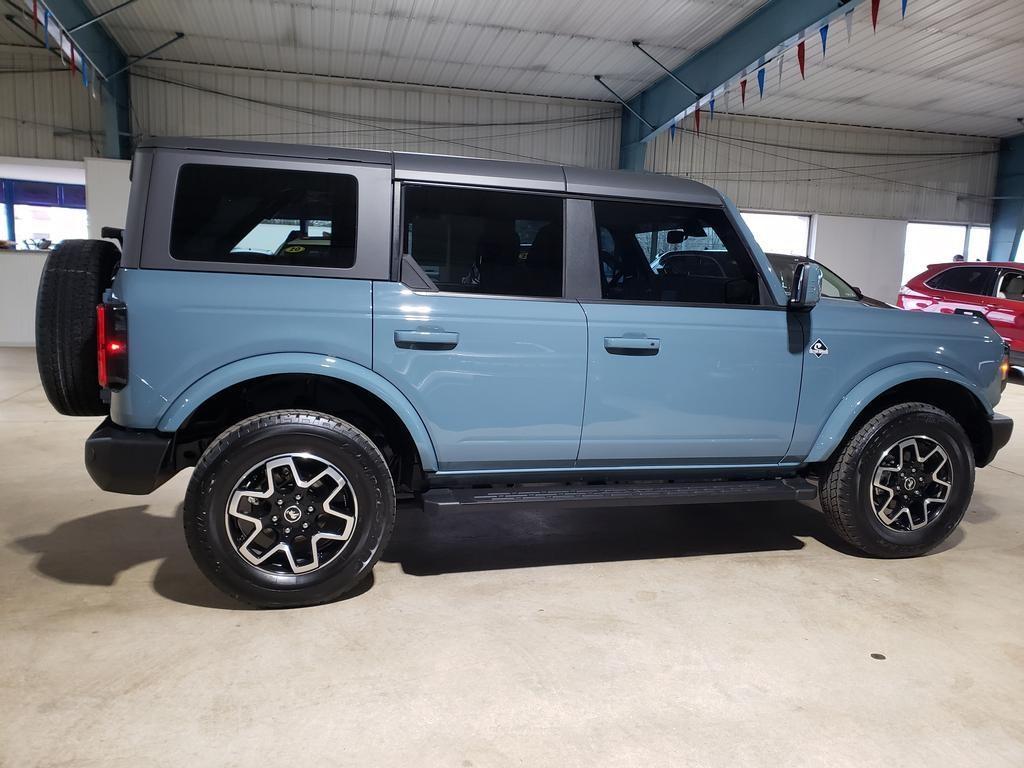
(711, 106)
(35, 15)
(874, 13)
(696, 122)
(46, 28)
(760, 83)
(73, 68)
(743, 91)
(824, 39)
(801, 56)
(849, 25)
(903, 9)
(85, 73)
(782, 55)
(672, 131)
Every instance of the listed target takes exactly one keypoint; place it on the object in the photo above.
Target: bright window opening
(977, 243)
(780, 233)
(931, 244)
(43, 226)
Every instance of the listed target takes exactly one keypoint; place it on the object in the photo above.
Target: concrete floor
(700, 636)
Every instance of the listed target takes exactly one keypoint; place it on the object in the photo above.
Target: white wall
(183, 100)
(45, 111)
(19, 282)
(867, 253)
(786, 165)
(106, 193)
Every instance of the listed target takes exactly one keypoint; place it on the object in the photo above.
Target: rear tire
(289, 508)
(881, 499)
(74, 278)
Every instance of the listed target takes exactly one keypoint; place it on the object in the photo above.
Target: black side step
(620, 495)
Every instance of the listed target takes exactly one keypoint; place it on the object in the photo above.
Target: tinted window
(672, 253)
(976, 280)
(264, 216)
(473, 241)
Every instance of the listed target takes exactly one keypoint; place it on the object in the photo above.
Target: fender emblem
(818, 348)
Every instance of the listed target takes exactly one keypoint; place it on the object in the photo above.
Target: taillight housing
(112, 345)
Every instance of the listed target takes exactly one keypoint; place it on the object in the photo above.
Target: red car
(992, 289)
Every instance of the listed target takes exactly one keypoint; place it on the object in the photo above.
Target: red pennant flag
(696, 121)
(35, 15)
(743, 91)
(801, 56)
(874, 13)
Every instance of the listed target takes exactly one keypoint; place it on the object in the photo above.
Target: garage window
(476, 241)
(264, 216)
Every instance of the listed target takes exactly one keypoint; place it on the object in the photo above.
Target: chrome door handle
(441, 341)
(631, 345)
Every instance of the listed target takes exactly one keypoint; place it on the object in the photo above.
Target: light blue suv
(320, 331)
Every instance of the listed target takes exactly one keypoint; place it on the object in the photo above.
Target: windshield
(832, 285)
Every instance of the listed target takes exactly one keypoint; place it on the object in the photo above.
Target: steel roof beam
(107, 56)
(772, 24)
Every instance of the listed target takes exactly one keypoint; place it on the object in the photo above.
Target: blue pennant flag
(85, 73)
(903, 9)
(711, 106)
(672, 131)
(824, 39)
(46, 28)
(760, 82)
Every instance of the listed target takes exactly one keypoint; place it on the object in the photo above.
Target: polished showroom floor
(700, 636)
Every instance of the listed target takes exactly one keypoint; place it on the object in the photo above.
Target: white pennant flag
(782, 55)
(725, 98)
(849, 26)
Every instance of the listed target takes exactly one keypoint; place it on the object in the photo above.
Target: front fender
(846, 412)
(301, 362)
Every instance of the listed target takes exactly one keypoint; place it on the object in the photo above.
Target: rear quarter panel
(184, 325)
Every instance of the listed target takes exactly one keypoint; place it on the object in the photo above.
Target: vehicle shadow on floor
(95, 549)
(507, 538)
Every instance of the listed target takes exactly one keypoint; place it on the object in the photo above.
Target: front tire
(901, 483)
(289, 508)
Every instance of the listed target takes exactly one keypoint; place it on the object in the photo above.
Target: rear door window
(264, 216)
(488, 242)
(974, 280)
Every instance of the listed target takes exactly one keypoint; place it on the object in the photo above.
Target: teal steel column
(772, 24)
(1008, 207)
(100, 48)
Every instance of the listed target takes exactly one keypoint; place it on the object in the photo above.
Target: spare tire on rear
(76, 274)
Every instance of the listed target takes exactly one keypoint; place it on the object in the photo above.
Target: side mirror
(806, 287)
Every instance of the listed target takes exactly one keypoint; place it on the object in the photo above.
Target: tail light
(112, 345)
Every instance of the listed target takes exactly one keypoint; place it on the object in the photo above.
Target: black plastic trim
(621, 494)
(999, 430)
(134, 461)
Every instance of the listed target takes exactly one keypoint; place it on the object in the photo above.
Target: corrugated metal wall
(785, 165)
(269, 107)
(45, 111)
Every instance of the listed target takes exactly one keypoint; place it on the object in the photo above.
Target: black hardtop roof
(411, 166)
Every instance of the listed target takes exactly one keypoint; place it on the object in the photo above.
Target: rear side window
(672, 253)
(976, 280)
(264, 216)
(476, 241)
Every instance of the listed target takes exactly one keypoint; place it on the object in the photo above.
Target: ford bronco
(319, 331)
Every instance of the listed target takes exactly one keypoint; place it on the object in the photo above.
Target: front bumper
(998, 435)
(135, 461)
